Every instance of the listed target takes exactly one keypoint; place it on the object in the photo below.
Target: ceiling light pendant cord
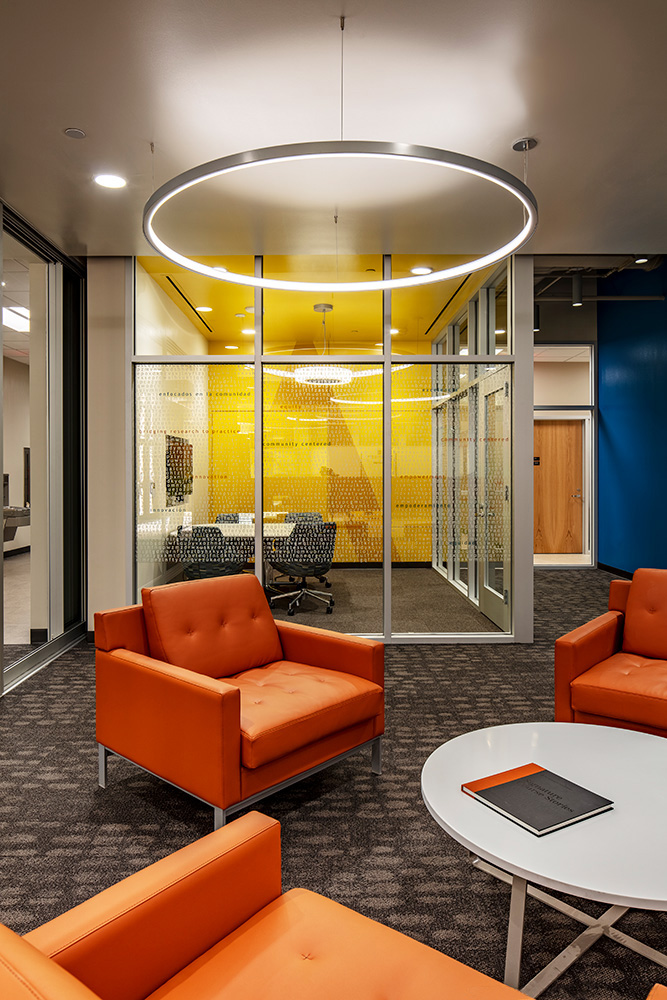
(342, 73)
(153, 166)
(525, 177)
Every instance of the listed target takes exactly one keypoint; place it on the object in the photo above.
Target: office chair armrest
(183, 726)
(580, 650)
(131, 938)
(333, 651)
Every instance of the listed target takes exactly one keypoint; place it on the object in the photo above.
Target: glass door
(493, 513)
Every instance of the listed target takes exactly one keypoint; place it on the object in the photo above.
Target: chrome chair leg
(102, 757)
(376, 756)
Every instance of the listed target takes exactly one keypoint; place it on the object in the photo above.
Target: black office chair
(311, 517)
(227, 519)
(206, 552)
(308, 551)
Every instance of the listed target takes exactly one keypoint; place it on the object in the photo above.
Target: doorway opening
(562, 456)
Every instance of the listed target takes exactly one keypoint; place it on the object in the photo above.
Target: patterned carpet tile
(363, 840)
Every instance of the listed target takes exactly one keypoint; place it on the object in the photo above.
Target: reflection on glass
(323, 467)
(500, 344)
(180, 312)
(25, 442)
(324, 323)
(194, 471)
(450, 497)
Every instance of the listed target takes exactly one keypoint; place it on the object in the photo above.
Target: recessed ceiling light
(421, 270)
(501, 331)
(249, 331)
(203, 309)
(110, 180)
(379, 345)
(394, 331)
(74, 133)
(239, 315)
(231, 347)
(641, 260)
(250, 310)
(15, 321)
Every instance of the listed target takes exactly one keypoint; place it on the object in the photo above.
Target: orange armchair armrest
(658, 993)
(128, 940)
(581, 649)
(183, 726)
(332, 651)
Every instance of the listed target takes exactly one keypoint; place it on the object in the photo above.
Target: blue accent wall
(632, 422)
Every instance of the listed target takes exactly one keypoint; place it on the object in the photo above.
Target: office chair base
(295, 598)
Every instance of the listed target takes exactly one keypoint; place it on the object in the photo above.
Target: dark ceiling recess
(553, 275)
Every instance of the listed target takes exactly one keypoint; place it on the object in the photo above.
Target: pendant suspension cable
(152, 166)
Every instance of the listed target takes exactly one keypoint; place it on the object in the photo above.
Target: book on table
(537, 799)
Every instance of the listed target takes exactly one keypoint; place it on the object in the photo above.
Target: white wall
(108, 513)
(161, 326)
(562, 383)
(16, 410)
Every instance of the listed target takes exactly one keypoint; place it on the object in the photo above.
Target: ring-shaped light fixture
(350, 149)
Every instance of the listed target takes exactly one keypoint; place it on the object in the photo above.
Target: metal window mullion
(56, 615)
(387, 524)
(259, 424)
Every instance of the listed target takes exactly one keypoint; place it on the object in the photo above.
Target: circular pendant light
(255, 158)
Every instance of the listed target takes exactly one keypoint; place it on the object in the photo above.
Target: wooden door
(558, 480)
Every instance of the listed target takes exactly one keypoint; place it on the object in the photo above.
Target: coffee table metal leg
(515, 932)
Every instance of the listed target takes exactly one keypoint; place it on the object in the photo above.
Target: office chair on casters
(307, 552)
(312, 517)
(206, 552)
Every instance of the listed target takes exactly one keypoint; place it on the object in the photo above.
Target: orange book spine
(500, 779)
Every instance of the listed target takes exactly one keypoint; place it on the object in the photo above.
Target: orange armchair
(201, 687)
(210, 921)
(613, 670)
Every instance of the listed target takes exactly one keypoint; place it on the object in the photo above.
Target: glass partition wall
(42, 413)
(375, 466)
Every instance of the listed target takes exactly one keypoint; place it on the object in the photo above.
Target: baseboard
(617, 572)
(90, 636)
(38, 636)
(16, 552)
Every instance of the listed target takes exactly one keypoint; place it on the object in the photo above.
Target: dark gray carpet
(421, 601)
(367, 842)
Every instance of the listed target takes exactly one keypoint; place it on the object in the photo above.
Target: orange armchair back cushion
(218, 627)
(645, 631)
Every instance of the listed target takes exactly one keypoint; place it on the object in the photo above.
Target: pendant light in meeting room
(344, 149)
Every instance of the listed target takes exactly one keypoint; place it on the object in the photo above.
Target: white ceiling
(206, 78)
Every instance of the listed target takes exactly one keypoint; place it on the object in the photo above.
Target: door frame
(589, 533)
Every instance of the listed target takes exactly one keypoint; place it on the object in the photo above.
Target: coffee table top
(616, 857)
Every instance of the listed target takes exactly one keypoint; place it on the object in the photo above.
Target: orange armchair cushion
(645, 631)
(286, 706)
(217, 627)
(27, 974)
(625, 686)
(303, 946)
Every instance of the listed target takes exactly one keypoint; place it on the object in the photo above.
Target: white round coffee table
(617, 857)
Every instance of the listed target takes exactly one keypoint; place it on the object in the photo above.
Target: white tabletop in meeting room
(616, 857)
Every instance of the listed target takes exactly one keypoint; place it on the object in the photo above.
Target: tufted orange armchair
(201, 687)
(210, 922)
(613, 670)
